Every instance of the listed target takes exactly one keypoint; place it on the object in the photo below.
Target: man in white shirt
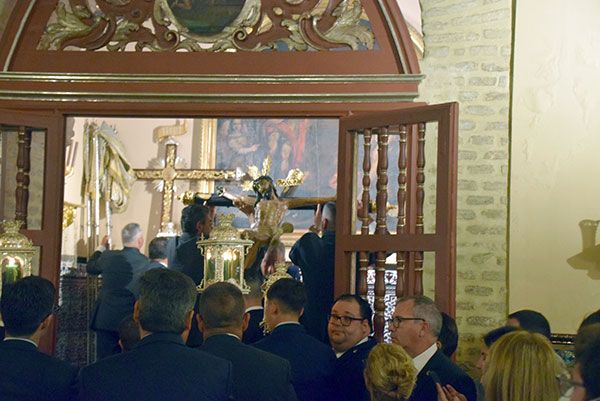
(415, 325)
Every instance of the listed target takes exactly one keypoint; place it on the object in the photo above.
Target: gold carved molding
(163, 25)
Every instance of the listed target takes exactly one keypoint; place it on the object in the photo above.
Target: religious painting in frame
(206, 17)
(309, 144)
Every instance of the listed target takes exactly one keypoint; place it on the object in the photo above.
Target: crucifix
(169, 173)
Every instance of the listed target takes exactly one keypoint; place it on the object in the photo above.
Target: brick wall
(467, 59)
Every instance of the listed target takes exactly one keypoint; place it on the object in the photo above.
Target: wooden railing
(409, 242)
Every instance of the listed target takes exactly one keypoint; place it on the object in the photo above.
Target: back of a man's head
(157, 248)
(590, 319)
(289, 294)
(587, 356)
(448, 335)
(254, 279)
(191, 216)
(130, 233)
(329, 214)
(492, 336)
(531, 321)
(221, 306)
(25, 304)
(166, 298)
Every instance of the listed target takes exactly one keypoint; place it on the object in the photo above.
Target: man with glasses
(349, 327)
(28, 374)
(415, 325)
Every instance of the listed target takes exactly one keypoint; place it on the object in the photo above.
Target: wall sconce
(16, 253)
(224, 255)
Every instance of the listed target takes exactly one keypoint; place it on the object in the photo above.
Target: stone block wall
(467, 59)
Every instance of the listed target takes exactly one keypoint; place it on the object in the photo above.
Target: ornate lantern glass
(16, 253)
(224, 255)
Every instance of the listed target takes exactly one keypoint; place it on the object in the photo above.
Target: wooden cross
(169, 174)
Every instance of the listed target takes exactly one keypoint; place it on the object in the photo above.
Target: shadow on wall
(589, 258)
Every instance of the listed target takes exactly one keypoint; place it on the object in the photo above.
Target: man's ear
(200, 322)
(245, 321)
(324, 224)
(425, 329)
(189, 320)
(271, 306)
(46, 322)
(136, 311)
(301, 312)
(366, 327)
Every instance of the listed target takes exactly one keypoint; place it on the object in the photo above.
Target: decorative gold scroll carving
(262, 25)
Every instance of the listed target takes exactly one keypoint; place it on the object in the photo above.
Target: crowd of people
(310, 349)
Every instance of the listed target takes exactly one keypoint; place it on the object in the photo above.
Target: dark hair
(448, 335)
(166, 296)
(129, 333)
(493, 336)
(587, 354)
(25, 304)
(254, 279)
(532, 321)
(590, 319)
(157, 248)
(191, 215)
(221, 305)
(289, 293)
(366, 312)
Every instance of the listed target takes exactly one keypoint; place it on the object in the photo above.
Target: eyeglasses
(344, 320)
(396, 320)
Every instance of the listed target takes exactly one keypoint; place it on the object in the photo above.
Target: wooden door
(47, 234)
(408, 239)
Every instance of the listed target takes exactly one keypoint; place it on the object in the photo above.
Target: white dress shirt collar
(364, 340)
(20, 339)
(421, 360)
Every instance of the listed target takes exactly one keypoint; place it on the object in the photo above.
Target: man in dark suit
(27, 374)
(415, 325)
(254, 307)
(116, 299)
(315, 257)
(257, 375)
(160, 367)
(312, 361)
(197, 222)
(350, 323)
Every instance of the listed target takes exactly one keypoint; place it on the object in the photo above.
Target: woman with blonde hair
(390, 374)
(522, 366)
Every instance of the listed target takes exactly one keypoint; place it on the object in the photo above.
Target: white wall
(145, 202)
(555, 158)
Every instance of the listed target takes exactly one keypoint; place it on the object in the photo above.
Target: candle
(11, 271)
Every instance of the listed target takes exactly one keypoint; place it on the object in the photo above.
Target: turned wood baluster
(420, 204)
(23, 169)
(382, 181)
(364, 212)
(401, 257)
